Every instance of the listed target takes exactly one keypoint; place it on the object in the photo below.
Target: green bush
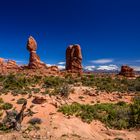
(65, 90)
(51, 82)
(7, 106)
(118, 116)
(21, 101)
(1, 101)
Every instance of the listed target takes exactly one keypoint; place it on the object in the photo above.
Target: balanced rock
(127, 71)
(34, 61)
(74, 58)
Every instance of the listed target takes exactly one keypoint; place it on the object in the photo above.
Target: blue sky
(107, 30)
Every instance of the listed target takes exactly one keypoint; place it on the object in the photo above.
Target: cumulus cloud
(61, 67)
(49, 65)
(108, 67)
(102, 61)
(136, 68)
(89, 68)
(61, 63)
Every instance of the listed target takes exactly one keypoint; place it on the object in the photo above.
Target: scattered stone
(38, 100)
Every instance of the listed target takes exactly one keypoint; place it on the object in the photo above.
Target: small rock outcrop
(34, 61)
(11, 64)
(74, 58)
(127, 71)
(8, 65)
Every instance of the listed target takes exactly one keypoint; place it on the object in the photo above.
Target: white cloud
(61, 63)
(89, 68)
(102, 61)
(108, 67)
(136, 68)
(49, 65)
(61, 67)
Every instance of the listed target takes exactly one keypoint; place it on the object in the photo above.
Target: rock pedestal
(74, 58)
(34, 61)
(127, 71)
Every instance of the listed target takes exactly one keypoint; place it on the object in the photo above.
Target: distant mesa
(127, 71)
(34, 61)
(74, 58)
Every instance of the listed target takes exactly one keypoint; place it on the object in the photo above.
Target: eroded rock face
(34, 61)
(127, 71)
(8, 65)
(11, 64)
(74, 58)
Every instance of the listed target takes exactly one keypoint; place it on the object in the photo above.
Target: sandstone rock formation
(34, 61)
(8, 65)
(74, 58)
(1, 61)
(11, 64)
(127, 71)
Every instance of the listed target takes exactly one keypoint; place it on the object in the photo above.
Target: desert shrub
(109, 84)
(13, 82)
(36, 79)
(87, 81)
(118, 116)
(65, 90)
(36, 90)
(51, 82)
(7, 106)
(21, 101)
(18, 81)
(34, 121)
(1, 101)
(2, 77)
(47, 91)
(135, 113)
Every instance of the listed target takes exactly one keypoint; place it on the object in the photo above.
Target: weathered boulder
(34, 61)
(39, 100)
(127, 71)
(74, 58)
